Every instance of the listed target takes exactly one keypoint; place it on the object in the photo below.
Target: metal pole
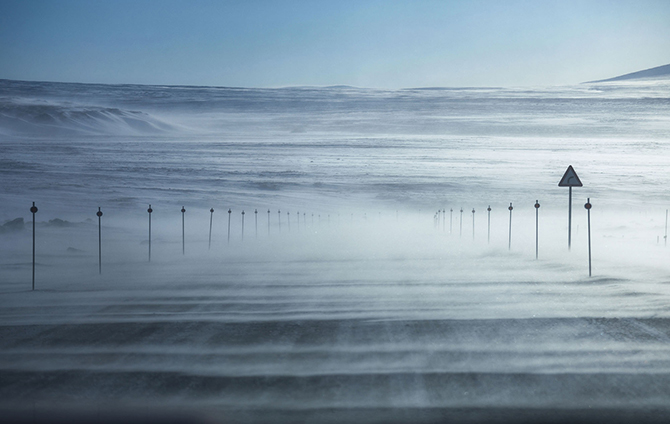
(183, 233)
(288, 220)
(298, 221)
(279, 217)
(488, 210)
(99, 214)
(473, 223)
(460, 233)
(268, 221)
(211, 218)
(33, 209)
(444, 218)
(150, 211)
(242, 225)
(509, 247)
(570, 218)
(256, 221)
(665, 237)
(451, 219)
(588, 211)
(537, 227)
(229, 213)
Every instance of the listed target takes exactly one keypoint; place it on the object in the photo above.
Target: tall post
(279, 217)
(211, 219)
(229, 213)
(444, 218)
(256, 221)
(268, 222)
(451, 219)
(288, 220)
(183, 233)
(570, 218)
(488, 237)
(537, 228)
(33, 209)
(460, 232)
(99, 214)
(588, 212)
(150, 211)
(509, 247)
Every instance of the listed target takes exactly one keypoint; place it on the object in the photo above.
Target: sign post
(570, 179)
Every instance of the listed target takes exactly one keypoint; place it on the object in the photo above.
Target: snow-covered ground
(355, 298)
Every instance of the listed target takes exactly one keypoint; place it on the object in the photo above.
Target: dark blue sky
(388, 43)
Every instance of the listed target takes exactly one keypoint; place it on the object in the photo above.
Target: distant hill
(657, 72)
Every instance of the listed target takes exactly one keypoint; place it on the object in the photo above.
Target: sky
(365, 43)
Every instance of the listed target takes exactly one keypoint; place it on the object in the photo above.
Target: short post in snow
(99, 214)
(665, 237)
(488, 237)
(150, 212)
(509, 247)
(587, 206)
(243, 225)
(33, 209)
(473, 223)
(183, 233)
(211, 219)
(229, 213)
(537, 227)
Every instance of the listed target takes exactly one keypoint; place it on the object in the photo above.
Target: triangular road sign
(570, 179)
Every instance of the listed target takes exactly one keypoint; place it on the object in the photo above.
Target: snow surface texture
(354, 299)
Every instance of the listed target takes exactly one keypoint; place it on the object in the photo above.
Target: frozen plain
(363, 310)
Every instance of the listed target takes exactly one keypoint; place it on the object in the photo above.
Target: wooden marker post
(33, 209)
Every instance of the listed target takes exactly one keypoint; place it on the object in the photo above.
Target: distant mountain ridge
(659, 71)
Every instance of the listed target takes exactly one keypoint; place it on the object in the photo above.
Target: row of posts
(99, 214)
(442, 213)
